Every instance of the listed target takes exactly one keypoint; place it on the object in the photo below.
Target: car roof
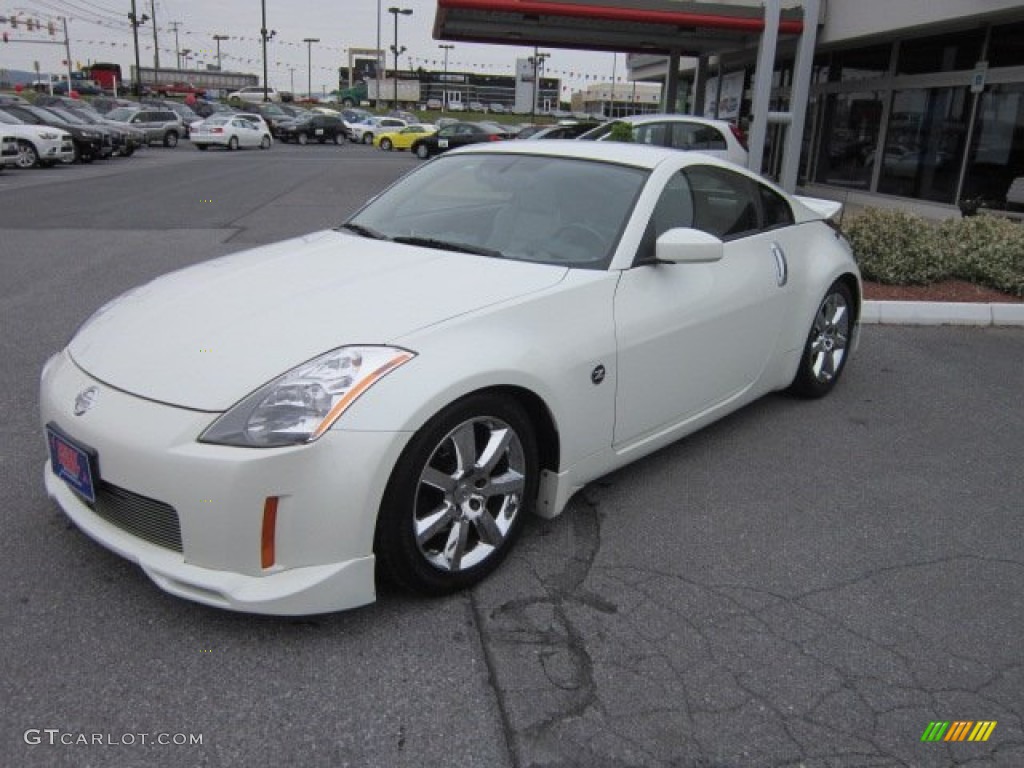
(623, 153)
(671, 117)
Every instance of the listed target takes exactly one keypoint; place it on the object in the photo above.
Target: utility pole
(67, 52)
(265, 36)
(135, 22)
(444, 80)
(538, 64)
(156, 45)
(309, 65)
(177, 49)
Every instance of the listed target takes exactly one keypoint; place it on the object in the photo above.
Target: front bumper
(328, 496)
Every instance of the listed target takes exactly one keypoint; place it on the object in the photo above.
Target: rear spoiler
(827, 209)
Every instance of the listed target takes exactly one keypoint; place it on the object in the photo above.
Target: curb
(941, 313)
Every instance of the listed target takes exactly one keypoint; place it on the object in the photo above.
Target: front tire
(367, 138)
(386, 144)
(302, 138)
(827, 345)
(28, 157)
(459, 496)
(171, 139)
(265, 142)
(422, 152)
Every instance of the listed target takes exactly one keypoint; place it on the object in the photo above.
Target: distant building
(618, 100)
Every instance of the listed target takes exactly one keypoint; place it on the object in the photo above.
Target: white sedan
(231, 132)
(266, 431)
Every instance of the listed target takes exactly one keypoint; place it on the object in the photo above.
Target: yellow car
(404, 137)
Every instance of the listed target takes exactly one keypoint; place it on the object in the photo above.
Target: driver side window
(673, 209)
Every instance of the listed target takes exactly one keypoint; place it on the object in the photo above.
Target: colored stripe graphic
(959, 730)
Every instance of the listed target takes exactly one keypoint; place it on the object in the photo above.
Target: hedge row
(899, 248)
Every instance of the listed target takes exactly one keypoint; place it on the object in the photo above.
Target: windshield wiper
(359, 229)
(433, 242)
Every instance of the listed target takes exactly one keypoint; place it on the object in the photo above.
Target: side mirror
(688, 246)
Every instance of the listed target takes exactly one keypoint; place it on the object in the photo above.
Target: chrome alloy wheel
(831, 337)
(469, 494)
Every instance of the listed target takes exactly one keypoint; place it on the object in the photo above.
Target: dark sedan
(456, 135)
(319, 128)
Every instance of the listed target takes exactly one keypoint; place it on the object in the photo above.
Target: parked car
(185, 113)
(341, 426)
(476, 106)
(205, 108)
(497, 108)
(161, 126)
(455, 135)
(404, 137)
(88, 143)
(231, 132)
(178, 89)
(318, 128)
(37, 145)
(254, 94)
(717, 138)
(364, 132)
(104, 104)
(568, 130)
(271, 113)
(434, 104)
(124, 139)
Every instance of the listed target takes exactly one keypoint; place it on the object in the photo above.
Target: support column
(803, 68)
(700, 85)
(672, 82)
(763, 83)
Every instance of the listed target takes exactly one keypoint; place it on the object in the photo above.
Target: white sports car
(507, 323)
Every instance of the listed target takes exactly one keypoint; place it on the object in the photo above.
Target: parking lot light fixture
(265, 36)
(395, 11)
(218, 38)
(444, 78)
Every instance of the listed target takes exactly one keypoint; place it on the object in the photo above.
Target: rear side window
(695, 137)
(653, 134)
(723, 202)
(775, 209)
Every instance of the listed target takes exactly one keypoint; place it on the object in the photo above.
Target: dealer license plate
(72, 463)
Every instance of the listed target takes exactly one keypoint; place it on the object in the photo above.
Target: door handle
(781, 267)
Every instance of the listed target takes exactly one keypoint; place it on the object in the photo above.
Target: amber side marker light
(269, 532)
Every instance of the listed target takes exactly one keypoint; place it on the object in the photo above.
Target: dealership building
(915, 101)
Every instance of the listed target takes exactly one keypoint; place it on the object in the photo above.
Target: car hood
(206, 336)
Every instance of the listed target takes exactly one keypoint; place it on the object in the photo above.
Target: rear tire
(265, 142)
(386, 145)
(302, 138)
(827, 346)
(171, 139)
(422, 152)
(232, 143)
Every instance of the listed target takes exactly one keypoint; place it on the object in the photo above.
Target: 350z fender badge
(86, 399)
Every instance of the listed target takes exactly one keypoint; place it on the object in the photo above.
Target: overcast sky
(99, 31)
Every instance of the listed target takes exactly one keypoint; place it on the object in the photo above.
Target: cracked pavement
(804, 584)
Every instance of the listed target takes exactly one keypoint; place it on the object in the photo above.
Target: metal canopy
(687, 27)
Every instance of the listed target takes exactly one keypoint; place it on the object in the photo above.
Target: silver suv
(161, 126)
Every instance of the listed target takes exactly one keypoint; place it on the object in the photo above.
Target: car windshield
(552, 210)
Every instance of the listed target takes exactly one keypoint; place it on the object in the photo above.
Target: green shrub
(898, 248)
(621, 132)
(987, 250)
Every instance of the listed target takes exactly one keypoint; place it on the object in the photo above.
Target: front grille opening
(149, 519)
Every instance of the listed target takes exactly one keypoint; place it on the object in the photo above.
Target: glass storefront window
(997, 147)
(849, 136)
(861, 64)
(940, 53)
(925, 143)
(1006, 46)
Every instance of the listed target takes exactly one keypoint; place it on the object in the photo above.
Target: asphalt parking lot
(802, 584)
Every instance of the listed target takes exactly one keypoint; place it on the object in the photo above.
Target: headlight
(49, 136)
(301, 405)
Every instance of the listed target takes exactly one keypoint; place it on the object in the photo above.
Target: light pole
(264, 36)
(309, 64)
(218, 38)
(394, 11)
(377, 68)
(538, 64)
(444, 79)
(185, 53)
(136, 22)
